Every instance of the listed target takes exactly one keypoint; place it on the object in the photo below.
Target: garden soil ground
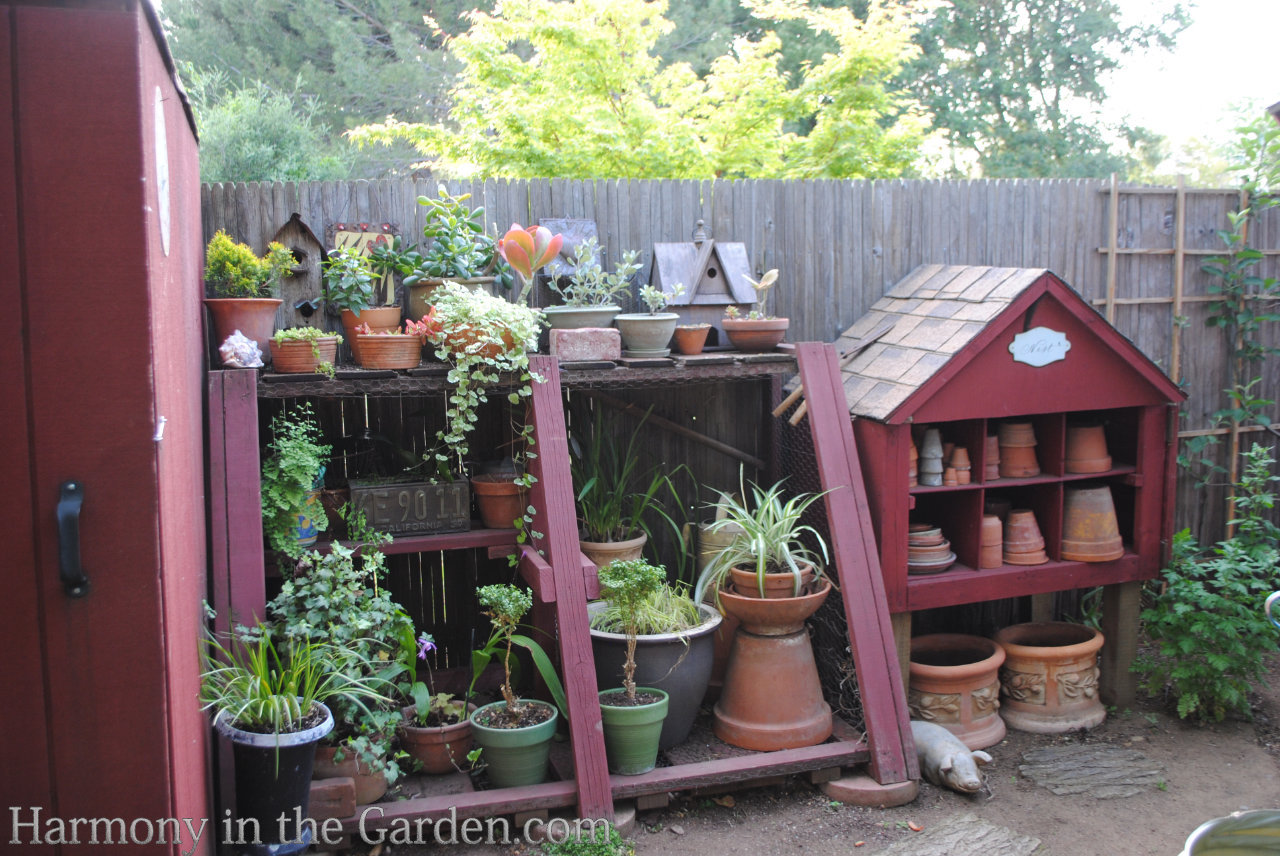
(1209, 771)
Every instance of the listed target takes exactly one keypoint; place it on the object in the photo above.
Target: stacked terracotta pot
(1018, 450)
(928, 552)
(991, 458)
(1087, 449)
(991, 551)
(1090, 532)
(959, 463)
(912, 470)
(1023, 543)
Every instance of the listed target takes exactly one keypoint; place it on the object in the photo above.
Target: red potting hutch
(102, 427)
(935, 351)
(562, 580)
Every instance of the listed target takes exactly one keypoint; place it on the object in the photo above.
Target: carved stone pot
(1049, 681)
(954, 682)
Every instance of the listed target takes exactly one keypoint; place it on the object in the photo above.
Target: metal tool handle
(70, 498)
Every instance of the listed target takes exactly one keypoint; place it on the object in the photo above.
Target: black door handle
(70, 498)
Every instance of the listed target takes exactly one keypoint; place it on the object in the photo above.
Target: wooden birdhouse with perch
(714, 275)
(302, 291)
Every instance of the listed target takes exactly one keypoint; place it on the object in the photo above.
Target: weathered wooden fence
(1134, 252)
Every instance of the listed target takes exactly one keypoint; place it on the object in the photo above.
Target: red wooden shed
(102, 426)
(963, 348)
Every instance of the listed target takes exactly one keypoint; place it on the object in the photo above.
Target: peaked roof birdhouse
(714, 275)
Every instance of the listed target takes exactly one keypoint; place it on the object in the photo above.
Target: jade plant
(505, 605)
(626, 585)
(459, 246)
(231, 269)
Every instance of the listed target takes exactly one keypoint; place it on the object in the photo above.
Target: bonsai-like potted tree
(514, 733)
(647, 334)
(632, 716)
(588, 294)
(292, 474)
(241, 287)
(270, 703)
(619, 496)
(304, 349)
(674, 651)
(349, 293)
(758, 331)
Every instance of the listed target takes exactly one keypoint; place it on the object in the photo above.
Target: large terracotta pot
(1087, 449)
(418, 299)
(747, 583)
(255, 317)
(1049, 680)
(500, 499)
(297, 356)
(604, 552)
(442, 749)
(379, 319)
(954, 682)
(772, 698)
(1090, 532)
(750, 335)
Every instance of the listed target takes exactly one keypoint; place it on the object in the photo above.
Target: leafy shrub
(1208, 625)
(593, 844)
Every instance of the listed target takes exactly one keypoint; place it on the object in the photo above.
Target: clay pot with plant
(241, 287)
(292, 475)
(588, 295)
(648, 334)
(632, 716)
(515, 734)
(298, 350)
(349, 293)
(690, 339)
(757, 330)
(436, 731)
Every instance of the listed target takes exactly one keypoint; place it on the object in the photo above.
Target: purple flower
(425, 644)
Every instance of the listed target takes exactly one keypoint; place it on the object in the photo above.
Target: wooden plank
(552, 495)
(1113, 218)
(961, 585)
(858, 565)
(493, 803)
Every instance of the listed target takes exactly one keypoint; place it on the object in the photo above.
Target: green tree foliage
(1011, 81)
(1208, 628)
(576, 89)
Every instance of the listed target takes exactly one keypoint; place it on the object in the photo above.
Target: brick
(586, 343)
(332, 798)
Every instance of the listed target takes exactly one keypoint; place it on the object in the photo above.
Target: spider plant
(770, 540)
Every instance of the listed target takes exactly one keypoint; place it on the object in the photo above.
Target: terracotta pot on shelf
(1018, 450)
(1090, 532)
(991, 552)
(755, 335)
(747, 584)
(954, 682)
(604, 552)
(991, 462)
(772, 659)
(379, 351)
(500, 499)
(419, 295)
(912, 468)
(1023, 543)
(949, 477)
(690, 339)
(1087, 449)
(298, 356)
(255, 317)
(379, 319)
(440, 749)
(1049, 680)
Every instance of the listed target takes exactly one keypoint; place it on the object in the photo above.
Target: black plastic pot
(273, 777)
(662, 662)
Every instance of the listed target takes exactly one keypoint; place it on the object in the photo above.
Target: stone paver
(964, 835)
(1105, 772)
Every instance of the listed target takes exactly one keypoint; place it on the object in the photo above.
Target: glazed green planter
(515, 756)
(631, 733)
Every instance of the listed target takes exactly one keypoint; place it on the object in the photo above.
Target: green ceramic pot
(514, 756)
(631, 733)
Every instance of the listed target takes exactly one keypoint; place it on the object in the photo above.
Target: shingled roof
(918, 326)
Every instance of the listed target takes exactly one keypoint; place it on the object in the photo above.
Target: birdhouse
(714, 275)
(303, 290)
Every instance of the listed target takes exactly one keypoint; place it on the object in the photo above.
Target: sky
(1224, 57)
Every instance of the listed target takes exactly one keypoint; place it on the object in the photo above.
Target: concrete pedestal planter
(677, 663)
(1049, 680)
(954, 682)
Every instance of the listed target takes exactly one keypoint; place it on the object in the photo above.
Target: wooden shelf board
(961, 584)
(470, 540)
(1044, 478)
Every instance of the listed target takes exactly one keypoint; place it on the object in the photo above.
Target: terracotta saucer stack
(927, 551)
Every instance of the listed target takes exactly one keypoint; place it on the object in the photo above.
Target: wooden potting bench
(562, 580)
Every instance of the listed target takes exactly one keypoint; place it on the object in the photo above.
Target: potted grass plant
(514, 734)
(241, 287)
(674, 650)
(619, 497)
(273, 704)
